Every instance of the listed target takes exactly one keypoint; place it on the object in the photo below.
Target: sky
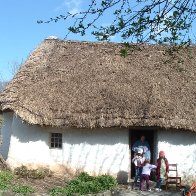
(20, 33)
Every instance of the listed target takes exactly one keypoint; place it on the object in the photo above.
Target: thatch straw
(82, 84)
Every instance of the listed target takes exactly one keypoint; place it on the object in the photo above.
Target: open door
(134, 135)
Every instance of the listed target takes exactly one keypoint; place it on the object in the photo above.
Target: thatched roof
(83, 84)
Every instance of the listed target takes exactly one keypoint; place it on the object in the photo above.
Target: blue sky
(20, 33)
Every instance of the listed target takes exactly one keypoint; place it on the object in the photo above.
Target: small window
(56, 140)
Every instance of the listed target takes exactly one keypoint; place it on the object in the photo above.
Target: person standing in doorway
(138, 161)
(142, 144)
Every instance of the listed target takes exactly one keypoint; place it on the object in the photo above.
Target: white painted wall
(180, 148)
(95, 151)
(6, 133)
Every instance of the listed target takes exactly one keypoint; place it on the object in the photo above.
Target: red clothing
(159, 167)
(192, 190)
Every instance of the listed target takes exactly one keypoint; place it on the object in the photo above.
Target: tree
(14, 67)
(150, 21)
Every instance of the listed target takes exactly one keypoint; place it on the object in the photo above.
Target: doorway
(134, 135)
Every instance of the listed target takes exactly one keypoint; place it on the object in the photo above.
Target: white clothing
(147, 168)
(138, 160)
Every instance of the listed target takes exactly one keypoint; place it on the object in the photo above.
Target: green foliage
(5, 179)
(39, 173)
(83, 176)
(107, 182)
(124, 52)
(57, 191)
(129, 48)
(135, 21)
(23, 189)
(86, 184)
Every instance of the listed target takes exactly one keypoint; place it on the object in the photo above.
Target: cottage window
(56, 140)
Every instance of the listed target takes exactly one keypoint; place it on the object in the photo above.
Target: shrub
(5, 179)
(85, 177)
(107, 182)
(57, 191)
(23, 189)
(86, 184)
(21, 171)
(39, 173)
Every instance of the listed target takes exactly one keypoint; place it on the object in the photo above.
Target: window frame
(56, 140)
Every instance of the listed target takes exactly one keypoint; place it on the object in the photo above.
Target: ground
(41, 186)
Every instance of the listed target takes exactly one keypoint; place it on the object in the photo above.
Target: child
(138, 161)
(162, 170)
(192, 190)
(146, 174)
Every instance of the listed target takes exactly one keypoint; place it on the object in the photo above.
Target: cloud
(74, 11)
(72, 6)
(72, 3)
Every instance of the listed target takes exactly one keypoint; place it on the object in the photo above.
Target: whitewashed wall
(6, 132)
(95, 151)
(180, 148)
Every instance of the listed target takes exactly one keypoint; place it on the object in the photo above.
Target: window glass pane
(56, 140)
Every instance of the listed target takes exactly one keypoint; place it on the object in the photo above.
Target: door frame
(151, 136)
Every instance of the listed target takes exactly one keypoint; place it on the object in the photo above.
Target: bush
(5, 179)
(57, 191)
(107, 182)
(83, 176)
(32, 173)
(23, 189)
(85, 184)
(21, 171)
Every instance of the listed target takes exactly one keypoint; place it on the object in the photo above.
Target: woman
(162, 170)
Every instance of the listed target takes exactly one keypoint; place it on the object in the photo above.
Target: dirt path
(152, 193)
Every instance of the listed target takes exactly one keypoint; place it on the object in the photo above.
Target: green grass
(22, 189)
(5, 180)
(81, 185)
